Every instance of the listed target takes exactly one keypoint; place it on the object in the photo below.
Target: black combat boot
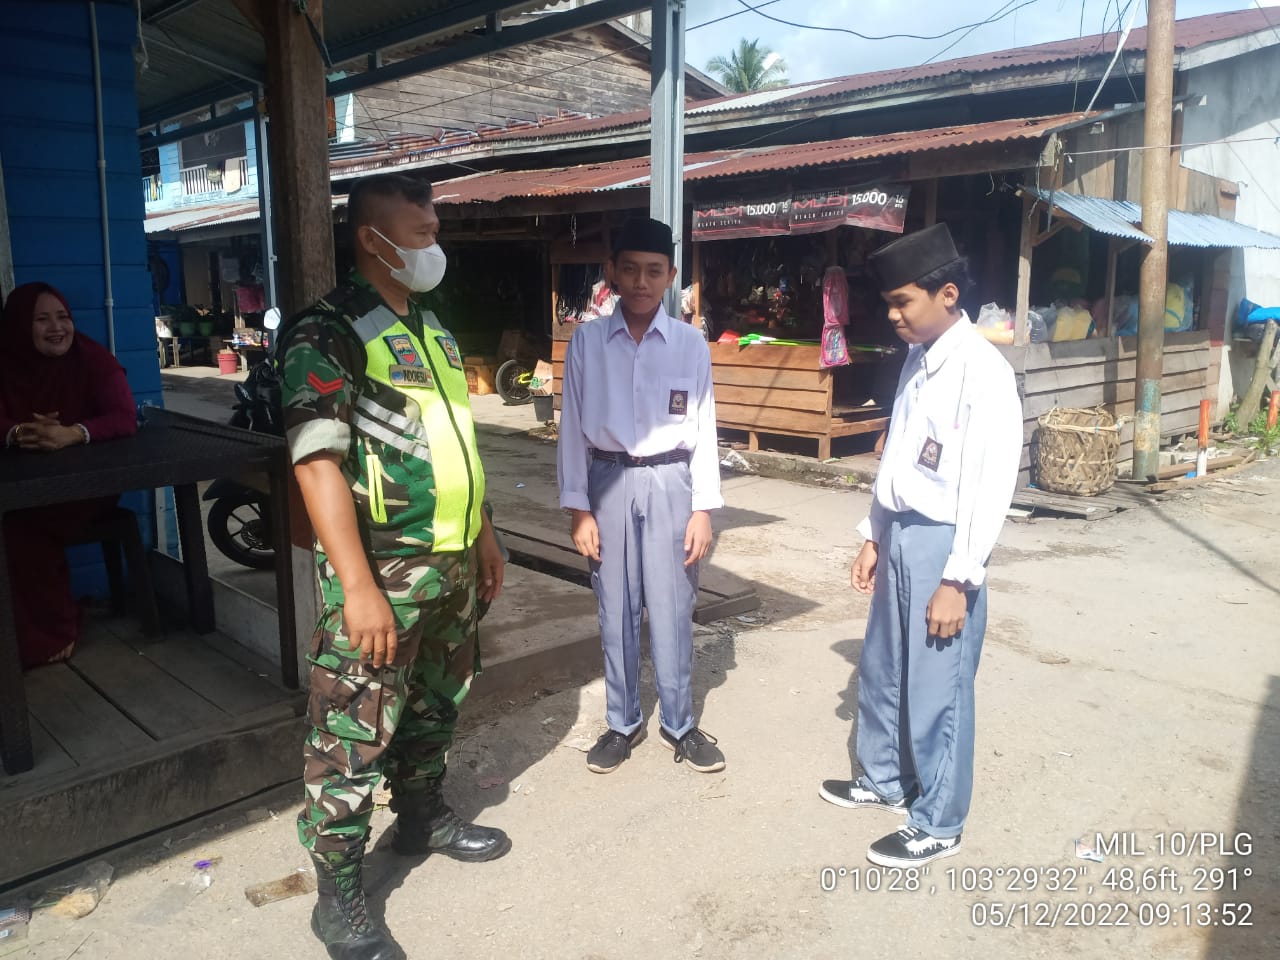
(425, 824)
(341, 918)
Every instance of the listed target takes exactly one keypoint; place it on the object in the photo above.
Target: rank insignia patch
(324, 387)
(402, 346)
(678, 403)
(450, 348)
(930, 454)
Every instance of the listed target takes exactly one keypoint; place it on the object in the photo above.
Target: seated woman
(57, 389)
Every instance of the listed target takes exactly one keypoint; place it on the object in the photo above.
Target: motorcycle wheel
(513, 392)
(240, 527)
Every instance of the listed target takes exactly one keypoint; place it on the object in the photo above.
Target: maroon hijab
(32, 383)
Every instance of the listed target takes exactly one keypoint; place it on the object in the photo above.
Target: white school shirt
(640, 398)
(954, 447)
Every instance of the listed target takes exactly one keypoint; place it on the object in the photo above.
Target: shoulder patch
(450, 348)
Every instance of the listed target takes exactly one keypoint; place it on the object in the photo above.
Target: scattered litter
(202, 876)
(1238, 603)
(488, 783)
(748, 619)
(736, 461)
(581, 744)
(174, 898)
(13, 926)
(1063, 753)
(547, 720)
(1053, 659)
(296, 884)
(1085, 851)
(81, 898)
(504, 907)
(794, 692)
(519, 486)
(515, 787)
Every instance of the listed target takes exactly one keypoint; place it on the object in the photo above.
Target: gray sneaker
(697, 749)
(856, 794)
(611, 749)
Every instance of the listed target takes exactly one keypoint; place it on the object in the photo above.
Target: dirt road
(1130, 684)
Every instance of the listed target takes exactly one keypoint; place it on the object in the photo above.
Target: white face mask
(423, 266)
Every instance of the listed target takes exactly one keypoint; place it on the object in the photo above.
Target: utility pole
(666, 163)
(1157, 162)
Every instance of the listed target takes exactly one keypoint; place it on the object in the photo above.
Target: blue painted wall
(48, 145)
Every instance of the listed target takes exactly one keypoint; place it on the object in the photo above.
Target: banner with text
(876, 208)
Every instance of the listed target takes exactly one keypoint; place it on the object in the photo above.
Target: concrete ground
(1130, 684)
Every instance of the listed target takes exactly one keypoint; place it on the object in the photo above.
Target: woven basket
(1076, 451)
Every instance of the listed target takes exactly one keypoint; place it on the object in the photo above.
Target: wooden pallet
(1122, 496)
(720, 594)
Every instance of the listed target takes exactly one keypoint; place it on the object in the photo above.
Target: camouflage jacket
(388, 395)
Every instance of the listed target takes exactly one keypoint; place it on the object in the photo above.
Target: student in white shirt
(639, 470)
(946, 480)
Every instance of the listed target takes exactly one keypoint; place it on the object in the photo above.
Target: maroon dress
(86, 385)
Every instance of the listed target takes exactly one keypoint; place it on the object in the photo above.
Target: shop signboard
(876, 208)
(737, 219)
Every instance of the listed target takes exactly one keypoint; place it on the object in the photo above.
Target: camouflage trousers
(396, 722)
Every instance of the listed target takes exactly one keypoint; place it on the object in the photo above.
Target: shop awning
(1121, 219)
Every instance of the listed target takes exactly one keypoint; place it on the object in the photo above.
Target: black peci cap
(644, 235)
(909, 258)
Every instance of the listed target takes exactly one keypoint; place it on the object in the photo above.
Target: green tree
(749, 67)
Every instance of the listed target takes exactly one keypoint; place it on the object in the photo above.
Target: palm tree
(750, 67)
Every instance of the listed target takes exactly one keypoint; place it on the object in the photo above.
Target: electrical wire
(585, 62)
(888, 36)
(1225, 141)
(1120, 42)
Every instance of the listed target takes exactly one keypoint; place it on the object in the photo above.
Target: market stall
(798, 346)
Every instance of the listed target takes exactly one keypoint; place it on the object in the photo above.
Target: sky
(817, 55)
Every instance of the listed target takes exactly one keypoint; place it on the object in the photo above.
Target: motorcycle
(239, 521)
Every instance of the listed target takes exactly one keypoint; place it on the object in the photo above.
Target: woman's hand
(46, 433)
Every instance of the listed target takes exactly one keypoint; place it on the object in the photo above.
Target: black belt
(671, 456)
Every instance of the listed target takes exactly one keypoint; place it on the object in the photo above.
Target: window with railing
(228, 176)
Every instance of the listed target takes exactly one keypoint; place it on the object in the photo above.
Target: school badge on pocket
(930, 454)
(678, 404)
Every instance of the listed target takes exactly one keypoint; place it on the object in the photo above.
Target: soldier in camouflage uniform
(383, 444)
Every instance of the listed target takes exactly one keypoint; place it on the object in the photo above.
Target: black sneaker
(697, 749)
(911, 847)
(856, 794)
(611, 749)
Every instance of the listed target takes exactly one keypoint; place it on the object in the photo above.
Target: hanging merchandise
(835, 312)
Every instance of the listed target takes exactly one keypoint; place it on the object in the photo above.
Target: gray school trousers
(915, 692)
(642, 513)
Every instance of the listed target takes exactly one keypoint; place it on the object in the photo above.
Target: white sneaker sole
(881, 860)
(848, 804)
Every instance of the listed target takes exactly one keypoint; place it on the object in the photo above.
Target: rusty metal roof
(634, 173)
(1189, 34)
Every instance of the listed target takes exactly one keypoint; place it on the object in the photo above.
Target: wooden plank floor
(1122, 496)
(120, 695)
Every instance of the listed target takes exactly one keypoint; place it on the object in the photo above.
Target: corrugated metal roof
(1201, 230)
(757, 99)
(1121, 218)
(716, 164)
(1115, 218)
(1189, 34)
